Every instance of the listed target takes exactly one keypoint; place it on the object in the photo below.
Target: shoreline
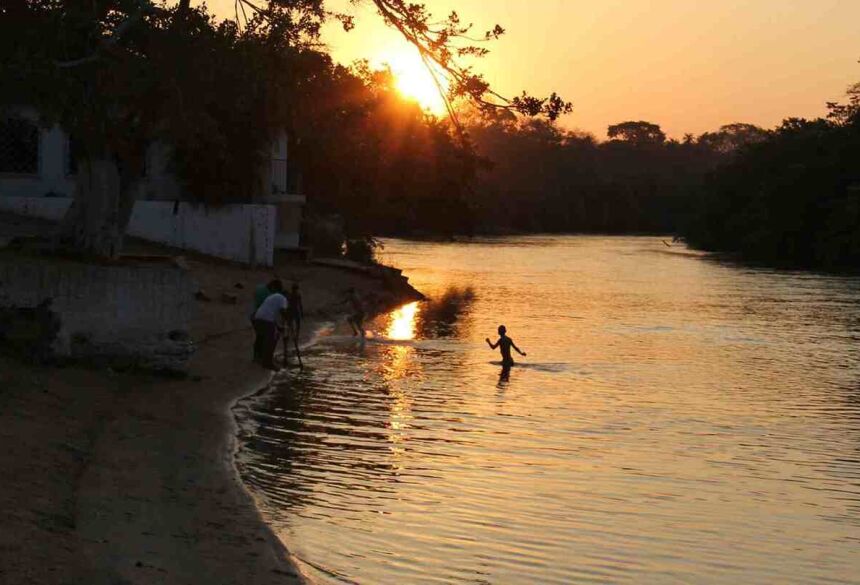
(235, 444)
(130, 478)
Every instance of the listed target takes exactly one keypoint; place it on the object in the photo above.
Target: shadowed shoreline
(118, 477)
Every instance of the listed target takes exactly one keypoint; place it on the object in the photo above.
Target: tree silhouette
(791, 199)
(844, 114)
(638, 133)
(120, 74)
(442, 45)
(732, 137)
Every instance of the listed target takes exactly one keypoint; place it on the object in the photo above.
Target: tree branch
(144, 7)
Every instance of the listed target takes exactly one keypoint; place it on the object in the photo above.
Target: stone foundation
(136, 314)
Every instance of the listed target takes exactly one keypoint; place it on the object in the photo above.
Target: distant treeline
(372, 158)
(544, 179)
(216, 94)
(787, 196)
(390, 169)
(792, 199)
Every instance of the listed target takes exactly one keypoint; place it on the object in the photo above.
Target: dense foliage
(414, 176)
(118, 78)
(788, 196)
(792, 199)
(120, 75)
(544, 179)
(377, 160)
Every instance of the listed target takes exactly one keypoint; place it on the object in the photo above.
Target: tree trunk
(96, 221)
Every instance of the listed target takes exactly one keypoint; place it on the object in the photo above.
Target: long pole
(298, 353)
(284, 342)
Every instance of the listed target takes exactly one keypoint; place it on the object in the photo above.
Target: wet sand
(129, 478)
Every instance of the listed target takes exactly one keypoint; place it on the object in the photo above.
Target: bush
(325, 234)
(362, 250)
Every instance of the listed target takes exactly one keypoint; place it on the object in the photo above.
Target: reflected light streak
(402, 324)
(400, 404)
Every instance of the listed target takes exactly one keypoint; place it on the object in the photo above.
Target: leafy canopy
(443, 45)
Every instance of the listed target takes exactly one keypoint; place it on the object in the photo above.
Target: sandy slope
(123, 478)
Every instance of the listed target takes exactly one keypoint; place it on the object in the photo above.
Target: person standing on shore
(266, 318)
(261, 293)
(296, 311)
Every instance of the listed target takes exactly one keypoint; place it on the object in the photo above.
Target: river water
(677, 420)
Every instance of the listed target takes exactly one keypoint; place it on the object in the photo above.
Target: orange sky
(688, 65)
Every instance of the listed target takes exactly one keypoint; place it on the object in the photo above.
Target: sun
(414, 81)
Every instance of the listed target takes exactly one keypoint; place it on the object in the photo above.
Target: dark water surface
(677, 420)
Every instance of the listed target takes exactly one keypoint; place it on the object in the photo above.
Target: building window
(279, 164)
(19, 146)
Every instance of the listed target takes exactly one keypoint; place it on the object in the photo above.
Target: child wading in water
(505, 344)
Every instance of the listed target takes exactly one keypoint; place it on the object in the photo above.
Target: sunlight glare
(402, 325)
(414, 81)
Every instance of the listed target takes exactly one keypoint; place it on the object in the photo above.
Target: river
(677, 420)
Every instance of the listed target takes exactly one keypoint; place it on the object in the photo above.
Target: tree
(792, 198)
(844, 114)
(732, 137)
(35, 37)
(543, 178)
(120, 74)
(376, 159)
(444, 43)
(637, 133)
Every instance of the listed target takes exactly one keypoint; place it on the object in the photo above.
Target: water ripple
(677, 420)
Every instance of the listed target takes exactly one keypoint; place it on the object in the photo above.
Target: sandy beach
(113, 477)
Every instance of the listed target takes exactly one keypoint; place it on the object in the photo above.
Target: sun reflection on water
(401, 327)
(665, 400)
(397, 368)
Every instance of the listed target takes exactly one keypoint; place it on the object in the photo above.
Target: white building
(37, 177)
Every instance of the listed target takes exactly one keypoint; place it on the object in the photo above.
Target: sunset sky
(688, 65)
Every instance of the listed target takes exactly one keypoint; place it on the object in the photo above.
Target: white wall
(52, 208)
(159, 184)
(289, 218)
(127, 310)
(244, 233)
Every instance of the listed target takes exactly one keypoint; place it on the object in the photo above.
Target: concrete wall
(140, 312)
(289, 220)
(158, 183)
(52, 208)
(243, 233)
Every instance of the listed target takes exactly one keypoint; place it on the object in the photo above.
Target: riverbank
(665, 400)
(115, 477)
